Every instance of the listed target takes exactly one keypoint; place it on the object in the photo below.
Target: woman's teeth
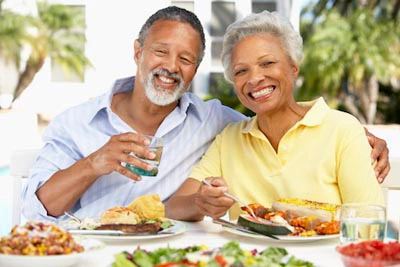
(262, 92)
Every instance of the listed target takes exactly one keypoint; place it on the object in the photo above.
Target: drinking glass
(361, 222)
(156, 146)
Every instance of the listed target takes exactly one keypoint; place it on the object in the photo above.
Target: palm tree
(56, 33)
(13, 34)
(349, 52)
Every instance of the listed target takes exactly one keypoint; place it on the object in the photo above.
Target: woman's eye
(266, 63)
(238, 72)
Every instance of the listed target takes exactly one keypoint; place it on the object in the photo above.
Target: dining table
(320, 252)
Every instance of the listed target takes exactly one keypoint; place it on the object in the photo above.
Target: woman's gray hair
(262, 23)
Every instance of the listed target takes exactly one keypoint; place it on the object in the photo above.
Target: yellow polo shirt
(324, 157)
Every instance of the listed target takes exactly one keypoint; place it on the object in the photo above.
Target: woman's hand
(210, 200)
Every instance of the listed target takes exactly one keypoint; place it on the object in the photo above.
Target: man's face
(167, 62)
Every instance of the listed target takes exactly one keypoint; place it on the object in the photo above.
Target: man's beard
(160, 96)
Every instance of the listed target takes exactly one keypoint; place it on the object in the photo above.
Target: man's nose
(171, 64)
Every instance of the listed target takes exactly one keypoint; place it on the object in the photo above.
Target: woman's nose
(255, 78)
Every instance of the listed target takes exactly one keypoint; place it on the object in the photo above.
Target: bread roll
(148, 207)
(119, 215)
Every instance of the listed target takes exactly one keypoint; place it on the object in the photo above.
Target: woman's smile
(262, 93)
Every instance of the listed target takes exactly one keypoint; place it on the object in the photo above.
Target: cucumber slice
(263, 226)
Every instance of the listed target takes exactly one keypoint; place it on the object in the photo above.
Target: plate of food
(174, 228)
(288, 220)
(42, 244)
(144, 218)
(281, 238)
(229, 255)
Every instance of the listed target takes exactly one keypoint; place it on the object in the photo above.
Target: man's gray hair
(262, 23)
(175, 14)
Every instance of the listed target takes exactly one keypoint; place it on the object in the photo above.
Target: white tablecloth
(321, 252)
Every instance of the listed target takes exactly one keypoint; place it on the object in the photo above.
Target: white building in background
(112, 27)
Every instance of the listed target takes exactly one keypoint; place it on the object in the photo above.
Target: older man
(79, 168)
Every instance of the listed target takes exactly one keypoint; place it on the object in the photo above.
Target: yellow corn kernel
(247, 253)
(203, 247)
(308, 233)
(250, 260)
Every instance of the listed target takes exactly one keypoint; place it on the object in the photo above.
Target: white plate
(90, 246)
(282, 238)
(176, 229)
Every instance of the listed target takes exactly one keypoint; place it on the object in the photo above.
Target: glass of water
(156, 146)
(361, 222)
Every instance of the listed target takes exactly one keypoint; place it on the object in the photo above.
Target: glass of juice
(360, 222)
(156, 146)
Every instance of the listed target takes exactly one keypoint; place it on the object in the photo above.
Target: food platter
(114, 235)
(90, 245)
(282, 238)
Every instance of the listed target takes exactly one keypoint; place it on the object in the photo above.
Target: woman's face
(263, 74)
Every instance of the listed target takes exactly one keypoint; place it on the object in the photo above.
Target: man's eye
(161, 52)
(186, 60)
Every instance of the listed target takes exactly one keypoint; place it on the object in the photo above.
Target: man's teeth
(165, 79)
(262, 92)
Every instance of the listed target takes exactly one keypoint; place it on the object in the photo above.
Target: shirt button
(285, 148)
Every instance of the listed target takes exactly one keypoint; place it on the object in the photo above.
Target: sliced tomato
(168, 264)
(175, 264)
(221, 261)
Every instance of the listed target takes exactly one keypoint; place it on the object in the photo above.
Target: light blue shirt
(81, 130)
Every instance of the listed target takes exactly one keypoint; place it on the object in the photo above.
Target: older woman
(289, 149)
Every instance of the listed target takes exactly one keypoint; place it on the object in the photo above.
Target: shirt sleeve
(356, 176)
(210, 163)
(57, 153)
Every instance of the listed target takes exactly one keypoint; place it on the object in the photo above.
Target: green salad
(230, 255)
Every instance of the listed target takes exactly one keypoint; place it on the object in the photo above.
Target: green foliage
(389, 105)
(347, 47)
(62, 27)
(13, 34)
(224, 91)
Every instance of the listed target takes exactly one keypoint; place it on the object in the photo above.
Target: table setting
(255, 239)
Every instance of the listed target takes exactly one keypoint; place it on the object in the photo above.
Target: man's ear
(137, 51)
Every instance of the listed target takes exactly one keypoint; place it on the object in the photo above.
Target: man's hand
(109, 157)
(380, 155)
(211, 201)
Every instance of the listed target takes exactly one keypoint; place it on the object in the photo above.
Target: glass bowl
(370, 254)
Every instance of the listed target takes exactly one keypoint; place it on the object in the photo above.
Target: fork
(72, 216)
(241, 202)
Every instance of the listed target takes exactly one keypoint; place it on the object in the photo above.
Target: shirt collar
(187, 104)
(313, 117)
(316, 114)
